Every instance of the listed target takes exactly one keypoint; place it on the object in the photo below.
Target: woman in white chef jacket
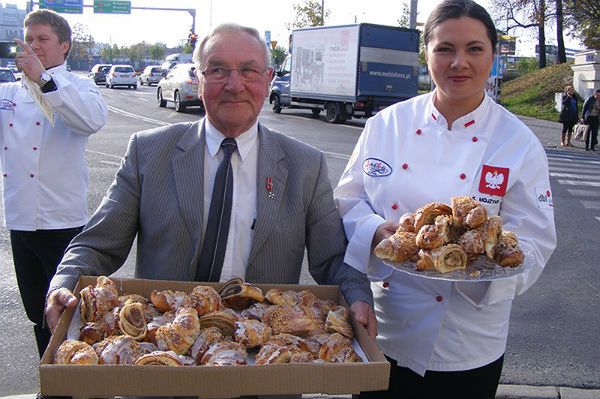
(446, 339)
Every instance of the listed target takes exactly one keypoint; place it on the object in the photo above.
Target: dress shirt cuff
(359, 250)
(54, 98)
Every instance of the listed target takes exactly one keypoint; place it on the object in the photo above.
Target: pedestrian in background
(446, 339)
(568, 116)
(44, 170)
(591, 116)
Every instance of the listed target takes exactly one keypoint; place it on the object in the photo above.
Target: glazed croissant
(255, 311)
(290, 319)
(179, 335)
(206, 338)
(273, 354)
(118, 349)
(399, 247)
(75, 352)
(407, 222)
(205, 299)
(159, 358)
(491, 233)
(338, 349)
(467, 212)
(96, 301)
(251, 333)
(294, 343)
(238, 295)
(223, 320)
(427, 214)
(157, 322)
(432, 236)
(278, 297)
(225, 353)
(507, 252)
(132, 320)
(444, 259)
(338, 320)
(170, 300)
(472, 243)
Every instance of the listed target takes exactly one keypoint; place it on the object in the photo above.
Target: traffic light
(273, 44)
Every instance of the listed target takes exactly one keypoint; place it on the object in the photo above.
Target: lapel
(270, 154)
(188, 173)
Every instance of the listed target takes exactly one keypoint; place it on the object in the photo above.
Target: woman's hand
(384, 230)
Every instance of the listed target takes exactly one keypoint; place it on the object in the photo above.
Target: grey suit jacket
(157, 195)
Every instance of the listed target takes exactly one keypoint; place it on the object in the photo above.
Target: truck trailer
(347, 71)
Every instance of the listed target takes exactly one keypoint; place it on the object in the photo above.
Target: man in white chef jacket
(45, 177)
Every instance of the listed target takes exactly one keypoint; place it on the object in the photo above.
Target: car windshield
(156, 70)
(7, 76)
(123, 69)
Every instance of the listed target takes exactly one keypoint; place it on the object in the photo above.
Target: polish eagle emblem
(494, 180)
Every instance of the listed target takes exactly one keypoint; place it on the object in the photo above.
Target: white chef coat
(244, 163)
(405, 158)
(44, 171)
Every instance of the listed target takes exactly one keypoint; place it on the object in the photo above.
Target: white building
(11, 22)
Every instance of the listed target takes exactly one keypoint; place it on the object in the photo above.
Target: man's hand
(365, 315)
(28, 62)
(384, 230)
(58, 301)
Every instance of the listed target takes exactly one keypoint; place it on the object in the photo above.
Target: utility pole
(322, 12)
(414, 4)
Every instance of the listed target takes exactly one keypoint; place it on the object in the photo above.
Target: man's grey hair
(200, 52)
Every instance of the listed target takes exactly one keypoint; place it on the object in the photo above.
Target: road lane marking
(574, 176)
(590, 204)
(577, 169)
(584, 193)
(111, 163)
(315, 119)
(598, 218)
(579, 162)
(135, 116)
(579, 183)
(103, 153)
(336, 155)
(143, 99)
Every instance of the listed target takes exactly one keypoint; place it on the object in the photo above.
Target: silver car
(121, 75)
(180, 86)
(151, 75)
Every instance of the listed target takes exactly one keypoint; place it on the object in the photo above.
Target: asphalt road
(553, 337)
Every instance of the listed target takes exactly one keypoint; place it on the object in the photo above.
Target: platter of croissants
(456, 242)
(237, 325)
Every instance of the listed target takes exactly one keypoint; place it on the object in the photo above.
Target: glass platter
(481, 270)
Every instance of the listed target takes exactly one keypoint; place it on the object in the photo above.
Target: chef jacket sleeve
(360, 220)
(531, 219)
(79, 104)
(104, 244)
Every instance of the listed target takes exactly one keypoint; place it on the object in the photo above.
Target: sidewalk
(504, 392)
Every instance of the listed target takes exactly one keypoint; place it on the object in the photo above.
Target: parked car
(121, 75)
(152, 74)
(98, 72)
(6, 76)
(180, 86)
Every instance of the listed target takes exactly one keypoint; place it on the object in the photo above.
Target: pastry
(491, 232)
(293, 342)
(159, 358)
(472, 243)
(427, 214)
(407, 222)
(132, 320)
(278, 297)
(338, 349)
(290, 319)
(255, 311)
(75, 352)
(432, 236)
(118, 349)
(467, 212)
(338, 320)
(251, 333)
(507, 252)
(225, 353)
(205, 339)
(223, 320)
(99, 299)
(449, 257)
(425, 261)
(170, 300)
(273, 354)
(205, 299)
(302, 357)
(240, 296)
(157, 322)
(399, 247)
(179, 335)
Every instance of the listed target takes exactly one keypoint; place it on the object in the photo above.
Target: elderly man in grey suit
(220, 198)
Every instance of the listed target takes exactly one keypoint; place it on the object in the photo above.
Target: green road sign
(63, 6)
(112, 7)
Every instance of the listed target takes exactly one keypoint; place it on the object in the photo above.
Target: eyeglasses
(218, 74)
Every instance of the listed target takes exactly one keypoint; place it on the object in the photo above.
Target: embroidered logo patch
(7, 104)
(543, 198)
(493, 180)
(376, 167)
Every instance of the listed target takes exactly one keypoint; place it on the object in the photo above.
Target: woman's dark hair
(455, 9)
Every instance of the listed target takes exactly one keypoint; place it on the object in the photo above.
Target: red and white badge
(543, 198)
(493, 180)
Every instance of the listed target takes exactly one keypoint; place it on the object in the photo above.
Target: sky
(170, 27)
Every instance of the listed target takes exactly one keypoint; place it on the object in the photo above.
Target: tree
(157, 51)
(307, 15)
(278, 55)
(404, 20)
(137, 52)
(82, 46)
(585, 17)
(560, 39)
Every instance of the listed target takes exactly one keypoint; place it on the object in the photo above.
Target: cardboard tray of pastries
(162, 372)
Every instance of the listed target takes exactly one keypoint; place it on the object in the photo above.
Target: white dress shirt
(405, 158)
(44, 171)
(244, 164)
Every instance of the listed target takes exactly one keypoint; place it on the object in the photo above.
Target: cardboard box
(210, 382)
